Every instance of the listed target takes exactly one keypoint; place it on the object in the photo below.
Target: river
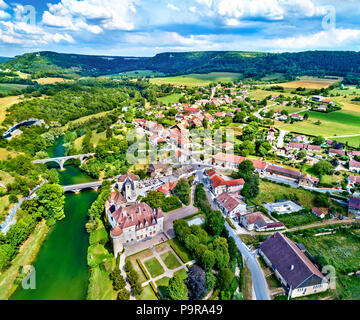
(61, 267)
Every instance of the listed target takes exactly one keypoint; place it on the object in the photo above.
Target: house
(168, 188)
(227, 146)
(132, 224)
(296, 145)
(281, 171)
(231, 204)
(354, 166)
(354, 205)
(311, 147)
(158, 170)
(335, 152)
(231, 161)
(292, 268)
(319, 212)
(307, 180)
(296, 116)
(354, 153)
(219, 185)
(352, 181)
(253, 220)
(300, 138)
(219, 114)
(275, 226)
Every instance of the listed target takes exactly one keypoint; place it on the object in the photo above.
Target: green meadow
(196, 79)
(338, 123)
(8, 87)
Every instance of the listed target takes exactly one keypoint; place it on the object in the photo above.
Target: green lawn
(292, 221)
(180, 250)
(98, 236)
(352, 141)
(195, 79)
(147, 294)
(100, 285)
(270, 192)
(338, 123)
(342, 251)
(170, 98)
(170, 260)
(140, 255)
(97, 254)
(154, 267)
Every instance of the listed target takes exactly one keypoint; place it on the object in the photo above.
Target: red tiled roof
(131, 176)
(336, 151)
(317, 211)
(354, 179)
(354, 163)
(228, 201)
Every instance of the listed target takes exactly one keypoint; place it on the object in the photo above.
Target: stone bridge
(87, 185)
(61, 160)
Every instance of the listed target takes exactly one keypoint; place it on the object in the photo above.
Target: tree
(245, 169)
(301, 154)
(52, 176)
(52, 201)
(251, 187)
(154, 199)
(196, 283)
(182, 189)
(220, 250)
(123, 294)
(318, 140)
(214, 222)
(207, 259)
(210, 280)
(117, 279)
(181, 229)
(191, 242)
(177, 289)
(225, 278)
(322, 167)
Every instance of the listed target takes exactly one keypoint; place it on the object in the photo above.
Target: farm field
(338, 123)
(5, 103)
(51, 80)
(260, 94)
(352, 141)
(196, 79)
(170, 98)
(309, 83)
(8, 87)
(342, 251)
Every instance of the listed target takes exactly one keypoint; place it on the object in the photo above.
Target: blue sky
(147, 27)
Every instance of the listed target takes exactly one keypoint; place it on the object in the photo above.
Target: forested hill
(251, 64)
(4, 59)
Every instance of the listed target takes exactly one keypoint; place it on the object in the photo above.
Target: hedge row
(230, 223)
(143, 269)
(156, 291)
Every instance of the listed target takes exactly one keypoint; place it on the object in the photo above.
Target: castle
(131, 221)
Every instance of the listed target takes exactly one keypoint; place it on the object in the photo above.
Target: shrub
(143, 269)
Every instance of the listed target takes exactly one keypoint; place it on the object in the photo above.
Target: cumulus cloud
(91, 15)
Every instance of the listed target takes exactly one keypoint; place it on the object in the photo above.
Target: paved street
(259, 282)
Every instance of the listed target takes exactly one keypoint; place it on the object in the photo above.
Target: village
(210, 160)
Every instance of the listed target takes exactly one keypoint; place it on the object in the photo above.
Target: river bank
(61, 265)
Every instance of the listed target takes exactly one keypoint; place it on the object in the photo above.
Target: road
(280, 142)
(260, 287)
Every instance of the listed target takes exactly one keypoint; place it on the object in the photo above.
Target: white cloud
(172, 7)
(92, 15)
(4, 15)
(269, 9)
(192, 9)
(3, 4)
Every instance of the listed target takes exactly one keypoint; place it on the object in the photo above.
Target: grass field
(154, 267)
(309, 83)
(52, 80)
(170, 260)
(26, 256)
(338, 123)
(170, 98)
(100, 286)
(196, 79)
(260, 94)
(342, 251)
(5, 103)
(140, 255)
(270, 192)
(8, 87)
(147, 294)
